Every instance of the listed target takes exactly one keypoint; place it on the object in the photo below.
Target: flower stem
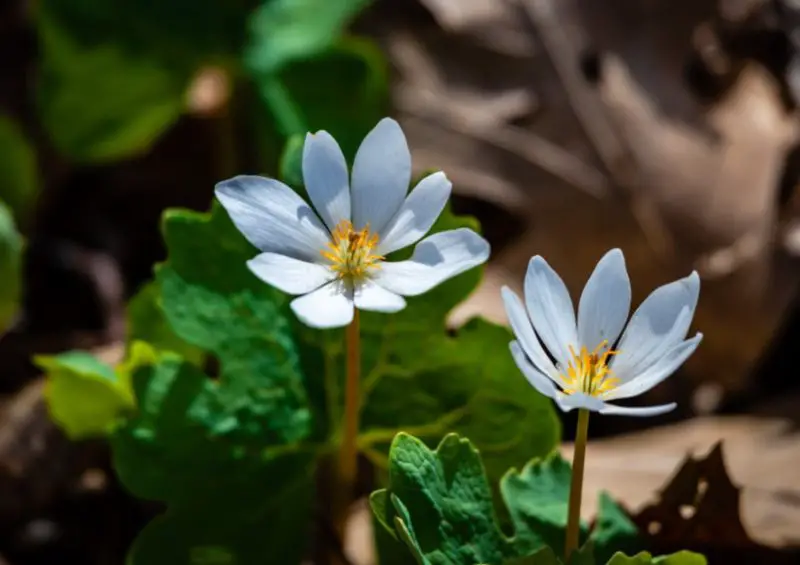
(348, 453)
(576, 488)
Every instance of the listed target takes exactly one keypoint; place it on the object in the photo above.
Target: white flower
(335, 260)
(587, 373)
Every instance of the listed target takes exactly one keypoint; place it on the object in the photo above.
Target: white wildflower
(587, 372)
(334, 257)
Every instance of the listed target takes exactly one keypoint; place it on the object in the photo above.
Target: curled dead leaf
(699, 509)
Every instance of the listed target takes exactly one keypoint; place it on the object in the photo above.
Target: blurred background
(668, 128)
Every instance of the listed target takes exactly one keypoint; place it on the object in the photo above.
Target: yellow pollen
(351, 253)
(589, 372)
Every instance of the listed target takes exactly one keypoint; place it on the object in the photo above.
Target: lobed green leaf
(217, 476)
(147, 322)
(212, 301)
(229, 447)
(439, 503)
(644, 558)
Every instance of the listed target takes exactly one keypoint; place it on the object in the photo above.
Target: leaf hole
(211, 366)
(687, 511)
(93, 480)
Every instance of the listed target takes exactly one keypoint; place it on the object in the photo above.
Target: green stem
(287, 114)
(576, 488)
(348, 453)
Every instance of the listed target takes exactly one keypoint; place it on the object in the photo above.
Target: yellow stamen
(350, 252)
(589, 373)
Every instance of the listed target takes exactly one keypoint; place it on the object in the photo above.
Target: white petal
(658, 371)
(523, 330)
(660, 323)
(330, 306)
(381, 175)
(612, 410)
(605, 302)
(550, 309)
(288, 274)
(370, 296)
(579, 400)
(436, 259)
(325, 178)
(273, 217)
(538, 380)
(417, 214)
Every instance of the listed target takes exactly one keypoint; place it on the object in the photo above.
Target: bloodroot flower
(590, 367)
(335, 257)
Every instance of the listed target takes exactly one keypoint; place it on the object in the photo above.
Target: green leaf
(614, 530)
(644, 558)
(420, 378)
(343, 91)
(11, 248)
(440, 504)
(147, 322)
(583, 555)
(114, 76)
(285, 30)
(226, 447)
(231, 497)
(544, 556)
(99, 98)
(540, 495)
(19, 179)
(423, 377)
(85, 397)
(212, 301)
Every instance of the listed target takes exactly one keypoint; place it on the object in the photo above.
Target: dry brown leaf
(699, 509)
(700, 503)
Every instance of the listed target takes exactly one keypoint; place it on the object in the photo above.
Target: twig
(588, 107)
(586, 104)
(529, 146)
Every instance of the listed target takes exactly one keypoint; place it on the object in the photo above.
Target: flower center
(350, 252)
(589, 372)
